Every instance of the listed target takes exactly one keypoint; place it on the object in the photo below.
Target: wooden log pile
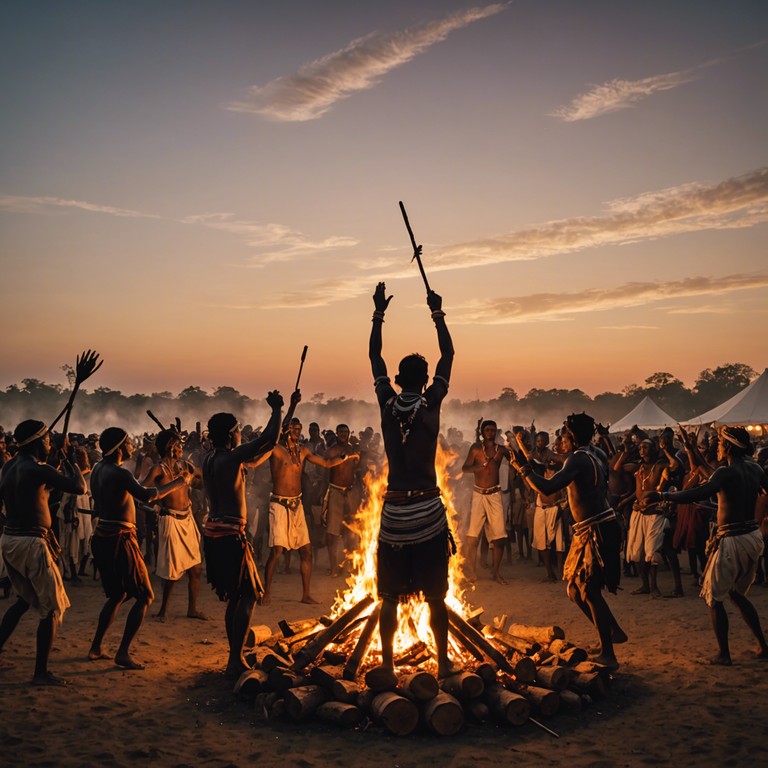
(517, 673)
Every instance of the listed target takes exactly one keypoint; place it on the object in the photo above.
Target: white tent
(750, 406)
(647, 415)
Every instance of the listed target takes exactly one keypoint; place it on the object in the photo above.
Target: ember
(329, 668)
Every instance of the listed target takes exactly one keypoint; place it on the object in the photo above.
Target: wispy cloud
(318, 85)
(558, 306)
(620, 94)
(276, 242)
(629, 327)
(738, 202)
(22, 204)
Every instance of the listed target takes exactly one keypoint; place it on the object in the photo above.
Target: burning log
(444, 715)
(357, 656)
(345, 691)
(516, 644)
(508, 707)
(301, 702)
(396, 713)
(412, 655)
(281, 679)
(343, 714)
(419, 686)
(461, 635)
(541, 635)
(555, 678)
(310, 651)
(465, 685)
(481, 642)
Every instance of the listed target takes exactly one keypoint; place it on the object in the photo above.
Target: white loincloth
(732, 566)
(548, 528)
(287, 527)
(178, 545)
(646, 538)
(487, 512)
(34, 574)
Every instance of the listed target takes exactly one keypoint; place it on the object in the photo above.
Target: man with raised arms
(342, 500)
(178, 537)
(230, 566)
(414, 538)
(736, 548)
(287, 522)
(487, 511)
(115, 546)
(593, 559)
(28, 545)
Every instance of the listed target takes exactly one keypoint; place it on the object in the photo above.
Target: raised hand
(295, 397)
(380, 298)
(87, 364)
(434, 301)
(274, 400)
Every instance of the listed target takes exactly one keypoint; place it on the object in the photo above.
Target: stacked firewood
(518, 673)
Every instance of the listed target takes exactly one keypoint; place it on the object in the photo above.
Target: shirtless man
(28, 545)
(231, 569)
(178, 537)
(414, 538)
(593, 561)
(342, 500)
(483, 461)
(738, 543)
(648, 522)
(115, 546)
(287, 522)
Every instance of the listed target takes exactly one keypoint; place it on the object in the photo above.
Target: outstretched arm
(701, 492)
(550, 485)
(295, 400)
(443, 369)
(381, 302)
(268, 438)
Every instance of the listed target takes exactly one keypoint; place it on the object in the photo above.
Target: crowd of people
(234, 502)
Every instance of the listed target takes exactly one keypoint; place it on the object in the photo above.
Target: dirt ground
(664, 708)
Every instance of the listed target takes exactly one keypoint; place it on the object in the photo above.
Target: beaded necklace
(405, 406)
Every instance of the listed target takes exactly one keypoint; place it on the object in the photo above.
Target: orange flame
(413, 621)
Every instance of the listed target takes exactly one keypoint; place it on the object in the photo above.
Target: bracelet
(437, 313)
(378, 315)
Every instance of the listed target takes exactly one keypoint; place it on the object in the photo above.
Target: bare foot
(607, 661)
(95, 654)
(49, 679)
(161, 617)
(448, 668)
(236, 668)
(126, 662)
(499, 579)
(265, 599)
(655, 593)
(674, 593)
(717, 661)
(640, 591)
(198, 615)
(309, 600)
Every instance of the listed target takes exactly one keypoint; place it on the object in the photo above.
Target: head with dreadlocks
(580, 427)
(412, 374)
(734, 442)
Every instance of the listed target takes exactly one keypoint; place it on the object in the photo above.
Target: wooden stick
(477, 638)
(416, 254)
(301, 366)
(310, 651)
(155, 419)
(543, 727)
(357, 656)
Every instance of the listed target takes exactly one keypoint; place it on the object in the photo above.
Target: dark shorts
(230, 567)
(121, 566)
(413, 568)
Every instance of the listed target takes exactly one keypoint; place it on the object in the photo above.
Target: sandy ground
(664, 707)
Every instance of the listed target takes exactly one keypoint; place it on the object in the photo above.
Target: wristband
(437, 313)
(378, 315)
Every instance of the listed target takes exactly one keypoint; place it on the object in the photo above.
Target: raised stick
(155, 419)
(301, 366)
(416, 254)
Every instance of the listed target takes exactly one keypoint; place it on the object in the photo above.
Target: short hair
(220, 426)
(581, 426)
(412, 371)
(342, 426)
(110, 440)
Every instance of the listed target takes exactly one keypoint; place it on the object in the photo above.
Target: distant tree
(670, 394)
(508, 395)
(713, 387)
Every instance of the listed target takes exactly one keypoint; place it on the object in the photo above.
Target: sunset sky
(198, 189)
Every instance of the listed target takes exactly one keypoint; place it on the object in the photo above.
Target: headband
(31, 439)
(116, 445)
